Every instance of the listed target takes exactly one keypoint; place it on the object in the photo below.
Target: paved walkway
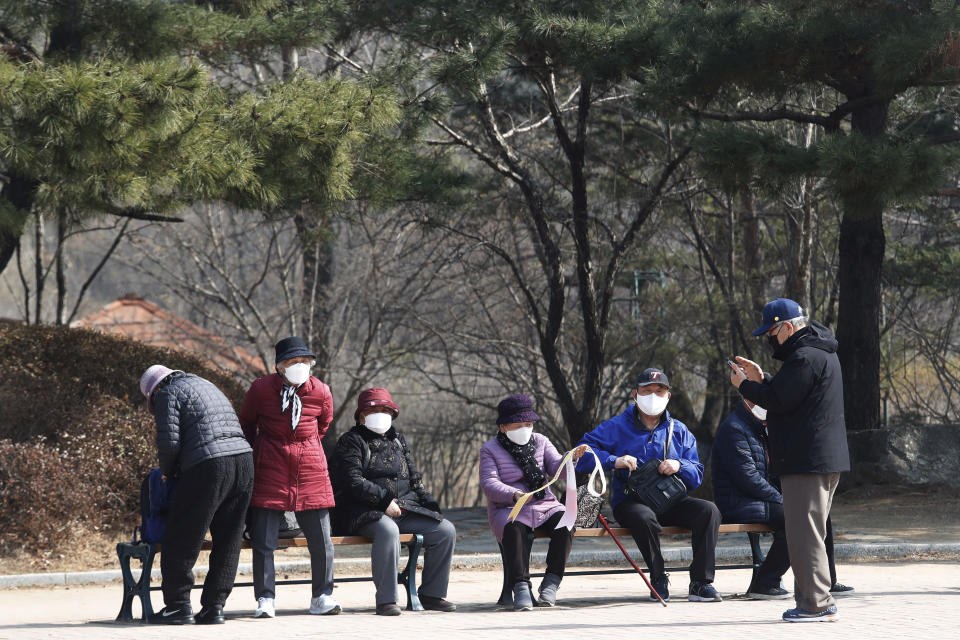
(900, 599)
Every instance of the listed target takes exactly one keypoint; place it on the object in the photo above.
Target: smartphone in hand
(732, 363)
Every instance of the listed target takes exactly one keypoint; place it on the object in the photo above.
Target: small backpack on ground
(156, 500)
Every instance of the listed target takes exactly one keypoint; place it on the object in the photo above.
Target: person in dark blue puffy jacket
(745, 491)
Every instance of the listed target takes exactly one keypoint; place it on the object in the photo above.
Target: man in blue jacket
(630, 439)
(808, 442)
(745, 491)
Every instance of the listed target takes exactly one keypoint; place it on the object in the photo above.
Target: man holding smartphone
(808, 442)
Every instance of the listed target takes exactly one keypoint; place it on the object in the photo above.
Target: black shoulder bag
(650, 487)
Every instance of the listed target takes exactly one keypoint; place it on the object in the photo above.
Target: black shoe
(840, 589)
(182, 614)
(661, 585)
(437, 604)
(211, 615)
(703, 592)
(767, 593)
(388, 609)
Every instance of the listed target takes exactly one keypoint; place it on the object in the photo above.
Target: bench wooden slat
(622, 531)
(343, 541)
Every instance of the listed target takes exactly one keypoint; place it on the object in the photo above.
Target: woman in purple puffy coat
(515, 462)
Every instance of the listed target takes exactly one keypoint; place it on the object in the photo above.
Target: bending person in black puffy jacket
(745, 491)
(199, 440)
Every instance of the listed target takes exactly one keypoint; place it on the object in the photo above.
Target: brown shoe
(388, 609)
(437, 604)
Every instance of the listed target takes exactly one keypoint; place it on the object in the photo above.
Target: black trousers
(700, 516)
(516, 553)
(778, 559)
(212, 495)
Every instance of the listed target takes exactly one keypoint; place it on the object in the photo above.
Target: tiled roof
(144, 321)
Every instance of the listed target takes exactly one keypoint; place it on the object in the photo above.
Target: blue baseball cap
(777, 311)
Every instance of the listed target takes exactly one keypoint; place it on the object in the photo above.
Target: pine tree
(887, 67)
(121, 107)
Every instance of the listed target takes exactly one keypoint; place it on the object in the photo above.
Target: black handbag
(650, 487)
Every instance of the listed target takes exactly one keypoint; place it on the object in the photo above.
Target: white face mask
(520, 436)
(298, 373)
(652, 404)
(379, 423)
(759, 412)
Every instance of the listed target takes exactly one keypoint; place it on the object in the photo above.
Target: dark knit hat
(653, 376)
(375, 398)
(292, 347)
(516, 408)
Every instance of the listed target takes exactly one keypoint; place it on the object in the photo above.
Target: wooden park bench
(146, 552)
(753, 532)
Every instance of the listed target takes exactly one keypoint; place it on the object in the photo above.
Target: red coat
(290, 470)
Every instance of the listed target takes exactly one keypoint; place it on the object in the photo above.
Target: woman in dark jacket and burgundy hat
(380, 494)
(284, 416)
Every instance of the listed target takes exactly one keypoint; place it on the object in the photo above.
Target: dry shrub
(76, 438)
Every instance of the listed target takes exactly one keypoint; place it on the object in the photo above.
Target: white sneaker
(324, 606)
(265, 608)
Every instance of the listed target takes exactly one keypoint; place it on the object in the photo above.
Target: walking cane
(626, 555)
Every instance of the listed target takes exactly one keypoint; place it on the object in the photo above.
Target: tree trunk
(752, 252)
(799, 228)
(61, 267)
(38, 268)
(316, 247)
(861, 249)
(19, 192)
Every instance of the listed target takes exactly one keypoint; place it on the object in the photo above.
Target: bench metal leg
(135, 588)
(408, 577)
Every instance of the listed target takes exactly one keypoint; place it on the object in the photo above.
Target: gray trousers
(439, 539)
(264, 527)
(806, 504)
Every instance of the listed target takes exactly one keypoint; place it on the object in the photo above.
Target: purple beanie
(516, 408)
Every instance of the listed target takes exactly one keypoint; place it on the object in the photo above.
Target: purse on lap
(650, 487)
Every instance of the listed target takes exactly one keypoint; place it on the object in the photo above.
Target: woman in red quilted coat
(284, 416)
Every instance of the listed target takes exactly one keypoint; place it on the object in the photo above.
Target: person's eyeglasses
(775, 328)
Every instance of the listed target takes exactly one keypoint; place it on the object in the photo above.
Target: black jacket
(195, 422)
(804, 403)
(364, 486)
(742, 487)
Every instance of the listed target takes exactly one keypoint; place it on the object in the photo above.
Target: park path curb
(858, 551)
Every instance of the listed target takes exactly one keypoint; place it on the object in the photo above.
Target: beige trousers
(806, 504)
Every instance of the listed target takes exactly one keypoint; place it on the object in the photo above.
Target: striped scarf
(289, 397)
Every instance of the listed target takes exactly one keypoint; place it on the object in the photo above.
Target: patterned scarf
(289, 397)
(525, 455)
